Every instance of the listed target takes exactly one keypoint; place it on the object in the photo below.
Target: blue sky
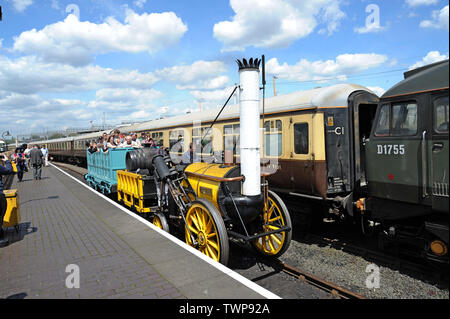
(66, 63)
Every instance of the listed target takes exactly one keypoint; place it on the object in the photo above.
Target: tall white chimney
(249, 126)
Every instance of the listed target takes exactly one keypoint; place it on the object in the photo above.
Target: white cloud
(276, 23)
(215, 95)
(198, 76)
(127, 95)
(38, 113)
(416, 3)
(75, 42)
(431, 57)
(21, 5)
(377, 90)
(439, 20)
(342, 66)
(139, 3)
(29, 75)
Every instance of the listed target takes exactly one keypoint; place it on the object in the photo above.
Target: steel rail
(322, 284)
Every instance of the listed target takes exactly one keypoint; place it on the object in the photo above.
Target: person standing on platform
(44, 151)
(19, 158)
(5, 169)
(26, 152)
(36, 160)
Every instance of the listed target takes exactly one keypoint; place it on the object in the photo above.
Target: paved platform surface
(118, 256)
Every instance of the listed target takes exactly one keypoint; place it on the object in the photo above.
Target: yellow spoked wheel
(160, 221)
(276, 215)
(206, 226)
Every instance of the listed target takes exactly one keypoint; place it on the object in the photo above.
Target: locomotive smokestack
(249, 126)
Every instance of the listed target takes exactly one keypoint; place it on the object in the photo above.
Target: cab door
(395, 155)
(438, 150)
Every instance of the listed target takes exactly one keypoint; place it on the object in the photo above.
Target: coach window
(441, 115)
(273, 138)
(404, 119)
(202, 138)
(231, 138)
(175, 137)
(157, 136)
(301, 138)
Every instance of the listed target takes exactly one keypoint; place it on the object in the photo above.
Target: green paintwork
(394, 176)
(430, 77)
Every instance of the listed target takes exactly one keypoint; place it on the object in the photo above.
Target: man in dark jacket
(4, 170)
(36, 161)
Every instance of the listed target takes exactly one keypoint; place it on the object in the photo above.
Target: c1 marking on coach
(391, 149)
(339, 130)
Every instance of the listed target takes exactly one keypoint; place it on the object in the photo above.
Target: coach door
(301, 154)
(438, 150)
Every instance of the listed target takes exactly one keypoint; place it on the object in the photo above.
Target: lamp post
(6, 133)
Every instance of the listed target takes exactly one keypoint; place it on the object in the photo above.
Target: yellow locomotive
(212, 202)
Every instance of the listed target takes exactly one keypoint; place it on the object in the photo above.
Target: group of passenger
(118, 140)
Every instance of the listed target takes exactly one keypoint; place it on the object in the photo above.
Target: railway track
(433, 273)
(334, 290)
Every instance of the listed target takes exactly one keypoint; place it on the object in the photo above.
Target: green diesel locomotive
(406, 160)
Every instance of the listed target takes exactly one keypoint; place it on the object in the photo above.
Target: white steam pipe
(249, 129)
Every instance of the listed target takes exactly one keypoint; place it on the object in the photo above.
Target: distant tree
(35, 137)
(55, 135)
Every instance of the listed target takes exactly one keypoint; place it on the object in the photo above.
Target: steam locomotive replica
(212, 202)
(341, 152)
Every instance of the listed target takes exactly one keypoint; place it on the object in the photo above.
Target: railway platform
(66, 226)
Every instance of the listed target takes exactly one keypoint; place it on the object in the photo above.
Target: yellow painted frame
(130, 191)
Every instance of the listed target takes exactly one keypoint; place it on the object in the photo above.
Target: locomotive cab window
(441, 115)
(399, 119)
(273, 138)
(301, 138)
(404, 119)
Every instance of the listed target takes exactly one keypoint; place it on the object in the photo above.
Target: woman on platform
(19, 158)
(5, 169)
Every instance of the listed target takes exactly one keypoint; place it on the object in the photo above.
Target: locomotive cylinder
(249, 127)
(140, 159)
(162, 170)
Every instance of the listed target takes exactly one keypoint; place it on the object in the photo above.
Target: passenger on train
(150, 143)
(111, 142)
(93, 147)
(118, 138)
(135, 139)
(130, 143)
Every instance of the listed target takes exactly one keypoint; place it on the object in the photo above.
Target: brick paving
(58, 229)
